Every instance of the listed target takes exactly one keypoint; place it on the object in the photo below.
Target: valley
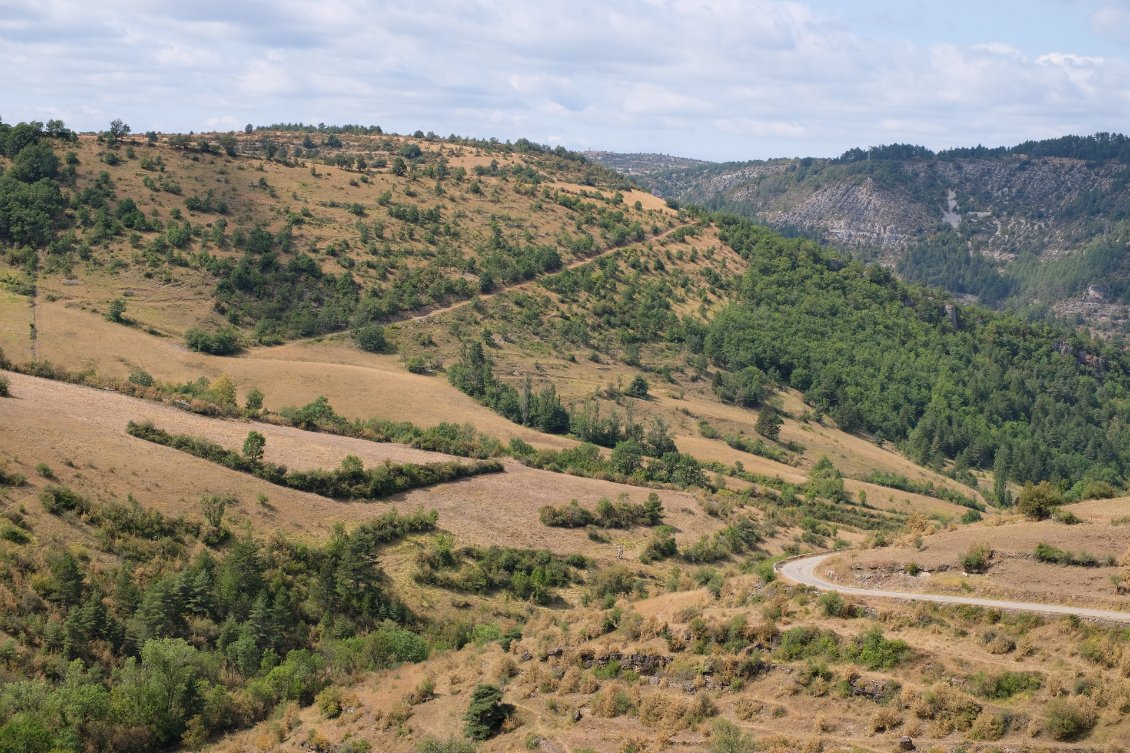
(471, 445)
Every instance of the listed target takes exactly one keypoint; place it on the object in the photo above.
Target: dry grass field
(79, 432)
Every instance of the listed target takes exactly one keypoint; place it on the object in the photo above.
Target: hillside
(320, 438)
(1038, 225)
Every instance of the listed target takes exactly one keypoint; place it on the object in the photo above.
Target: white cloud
(715, 78)
(1113, 22)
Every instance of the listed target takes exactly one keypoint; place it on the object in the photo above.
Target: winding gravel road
(803, 571)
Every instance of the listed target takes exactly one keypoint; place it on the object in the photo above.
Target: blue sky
(723, 79)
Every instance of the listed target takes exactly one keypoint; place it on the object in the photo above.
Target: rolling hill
(311, 432)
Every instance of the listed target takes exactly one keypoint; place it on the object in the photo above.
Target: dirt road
(803, 571)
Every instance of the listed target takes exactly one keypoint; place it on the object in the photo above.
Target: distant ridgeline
(1101, 146)
(1030, 401)
(1023, 227)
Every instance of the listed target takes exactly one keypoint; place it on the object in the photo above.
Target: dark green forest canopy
(1032, 401)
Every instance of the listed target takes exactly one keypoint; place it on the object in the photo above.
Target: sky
(716, 79)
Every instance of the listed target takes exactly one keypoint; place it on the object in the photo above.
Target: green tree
(222, 391)
(627, 456)
(228, 144)
(1038, 500)
(35, 162)
(370, 338)
(769, 423)
(254, 399)
(162, 691)
(213, 507)
(638, 388)
(659, 441)
(115, 312)
(653, 510)
(486, 712)
(253, 447)
(118, 131)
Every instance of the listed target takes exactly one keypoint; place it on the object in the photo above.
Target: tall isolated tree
(118, 131)
(253, 447)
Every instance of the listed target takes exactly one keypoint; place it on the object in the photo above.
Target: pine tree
(486, 712)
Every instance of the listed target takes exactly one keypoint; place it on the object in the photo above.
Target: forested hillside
(1030, 401)
(1040, 226)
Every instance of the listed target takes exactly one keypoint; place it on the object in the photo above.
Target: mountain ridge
(1000, 226)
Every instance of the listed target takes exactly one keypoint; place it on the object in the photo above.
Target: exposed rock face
(1001, 208)
(1013, 203)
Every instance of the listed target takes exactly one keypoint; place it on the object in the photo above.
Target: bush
(329, 702)
(370, 338)
(971, 516)
(59, 499)
(638, 388)
(1005, 684)
(729, 738)
(116, 310)
(1047, 553)
(11, 478)
(834, 605)
(612, 581)
(222, 342)
(976, 558)
(141, 378)
(5, 386)
(1038, 500)
(1068, 719)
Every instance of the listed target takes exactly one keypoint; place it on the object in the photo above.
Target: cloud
(725, 79)
(1112, 22)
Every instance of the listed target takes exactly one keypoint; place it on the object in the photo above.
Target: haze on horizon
(725, 80)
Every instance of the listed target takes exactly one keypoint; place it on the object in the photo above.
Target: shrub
(59, 499)
(834, 605)
(222, 342)
(1047, 553)
(116, 310)
(638, 388)
(875, 652)
(329, 702)
(1068, 719)
(5, 386)
(1038, 500)
(141, 378)
(422, 693)
(661, 546)
(612, 581)
(370, 338)
(11, 478)
(976, 558)
(1005, 684)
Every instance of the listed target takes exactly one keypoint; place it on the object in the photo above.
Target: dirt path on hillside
(803, 572)
(405, 317)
